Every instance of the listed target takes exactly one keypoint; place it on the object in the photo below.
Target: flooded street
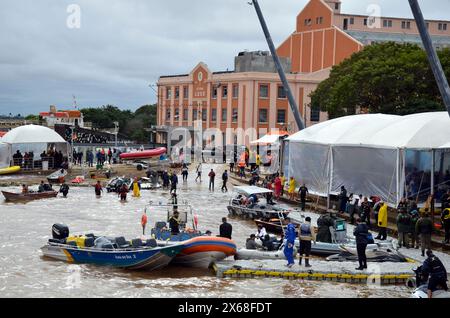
(24, 228)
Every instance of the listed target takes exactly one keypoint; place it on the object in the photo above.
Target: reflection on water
(24, 272)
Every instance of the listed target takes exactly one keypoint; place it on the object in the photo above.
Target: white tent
(373, 154)
(32, 134)
(34, 138)
(270, 138)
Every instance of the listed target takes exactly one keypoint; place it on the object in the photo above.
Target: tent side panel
(366, 171)
(5, 155)
(309, 164)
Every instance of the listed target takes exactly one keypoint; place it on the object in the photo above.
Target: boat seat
(57, 241)
(160, 225)
(121, 242)
(136, 243)
(151, 243)
(89, 241)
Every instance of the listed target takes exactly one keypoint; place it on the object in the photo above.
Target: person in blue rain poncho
(289, 247)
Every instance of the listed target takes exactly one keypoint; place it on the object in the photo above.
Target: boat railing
(95, 249)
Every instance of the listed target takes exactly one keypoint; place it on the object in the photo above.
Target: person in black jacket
(361, 234)
(225, 229)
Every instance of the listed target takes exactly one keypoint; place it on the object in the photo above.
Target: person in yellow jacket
(382, 221)
(291, 189)
(258, 160)
(136, 190)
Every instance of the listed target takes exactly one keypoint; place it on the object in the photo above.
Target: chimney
(52, 109)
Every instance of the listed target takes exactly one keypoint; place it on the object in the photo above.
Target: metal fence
(30, 164)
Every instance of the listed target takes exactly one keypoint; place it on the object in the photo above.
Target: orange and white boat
(202, 251)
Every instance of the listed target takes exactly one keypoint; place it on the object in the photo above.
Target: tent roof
(249, 190)
(417, 131)
(270, 138)
(30, 134)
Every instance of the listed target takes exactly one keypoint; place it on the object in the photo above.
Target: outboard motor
(60, 231)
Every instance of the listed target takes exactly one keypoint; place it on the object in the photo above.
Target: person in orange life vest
(144, 220)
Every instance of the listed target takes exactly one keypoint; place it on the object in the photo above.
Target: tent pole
(330, 176)
(398, 177)
(432, 184)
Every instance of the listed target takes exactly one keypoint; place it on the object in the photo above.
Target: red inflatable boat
(143, 154)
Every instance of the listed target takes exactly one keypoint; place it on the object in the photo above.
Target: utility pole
(276, 59)
(433, 58)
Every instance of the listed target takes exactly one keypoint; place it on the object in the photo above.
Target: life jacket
(446, 215)
(305, 231)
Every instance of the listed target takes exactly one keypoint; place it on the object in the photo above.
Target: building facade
(66, 117)
(251, 96)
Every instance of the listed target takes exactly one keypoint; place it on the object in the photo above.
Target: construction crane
(433, 58)
(280, 70)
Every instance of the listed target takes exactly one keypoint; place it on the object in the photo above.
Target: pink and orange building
(251, 96)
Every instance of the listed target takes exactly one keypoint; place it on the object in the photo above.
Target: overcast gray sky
(125, 45)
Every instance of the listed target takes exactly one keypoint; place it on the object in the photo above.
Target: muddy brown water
(24, 272)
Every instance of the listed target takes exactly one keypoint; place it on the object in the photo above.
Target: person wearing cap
(424, 228)
(433, 267)
(208, 233)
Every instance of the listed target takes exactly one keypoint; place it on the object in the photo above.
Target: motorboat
(247, 204)
(145, 154)
(150, 183)
(9, 170)
(373, 254)
(115, 183)
(57, 176)
(199, 249)
(116, 252)
(29, 196)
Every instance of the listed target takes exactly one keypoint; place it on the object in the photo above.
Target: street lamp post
(116, 130)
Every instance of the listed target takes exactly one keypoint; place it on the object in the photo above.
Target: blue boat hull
(148, 259)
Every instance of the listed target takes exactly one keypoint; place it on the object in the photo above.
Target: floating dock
(343, 272)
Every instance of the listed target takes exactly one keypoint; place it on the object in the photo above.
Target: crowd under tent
(374, 154)
(36, 139)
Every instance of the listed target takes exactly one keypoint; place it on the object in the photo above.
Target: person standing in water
(64, 189)
(98, 189)
(199, 172)
(136, 190)
(123, 191)
(185, 172)
(144, 220)
(212, 176)
(225, 180)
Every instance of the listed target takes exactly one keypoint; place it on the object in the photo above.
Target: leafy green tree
(388, 78)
